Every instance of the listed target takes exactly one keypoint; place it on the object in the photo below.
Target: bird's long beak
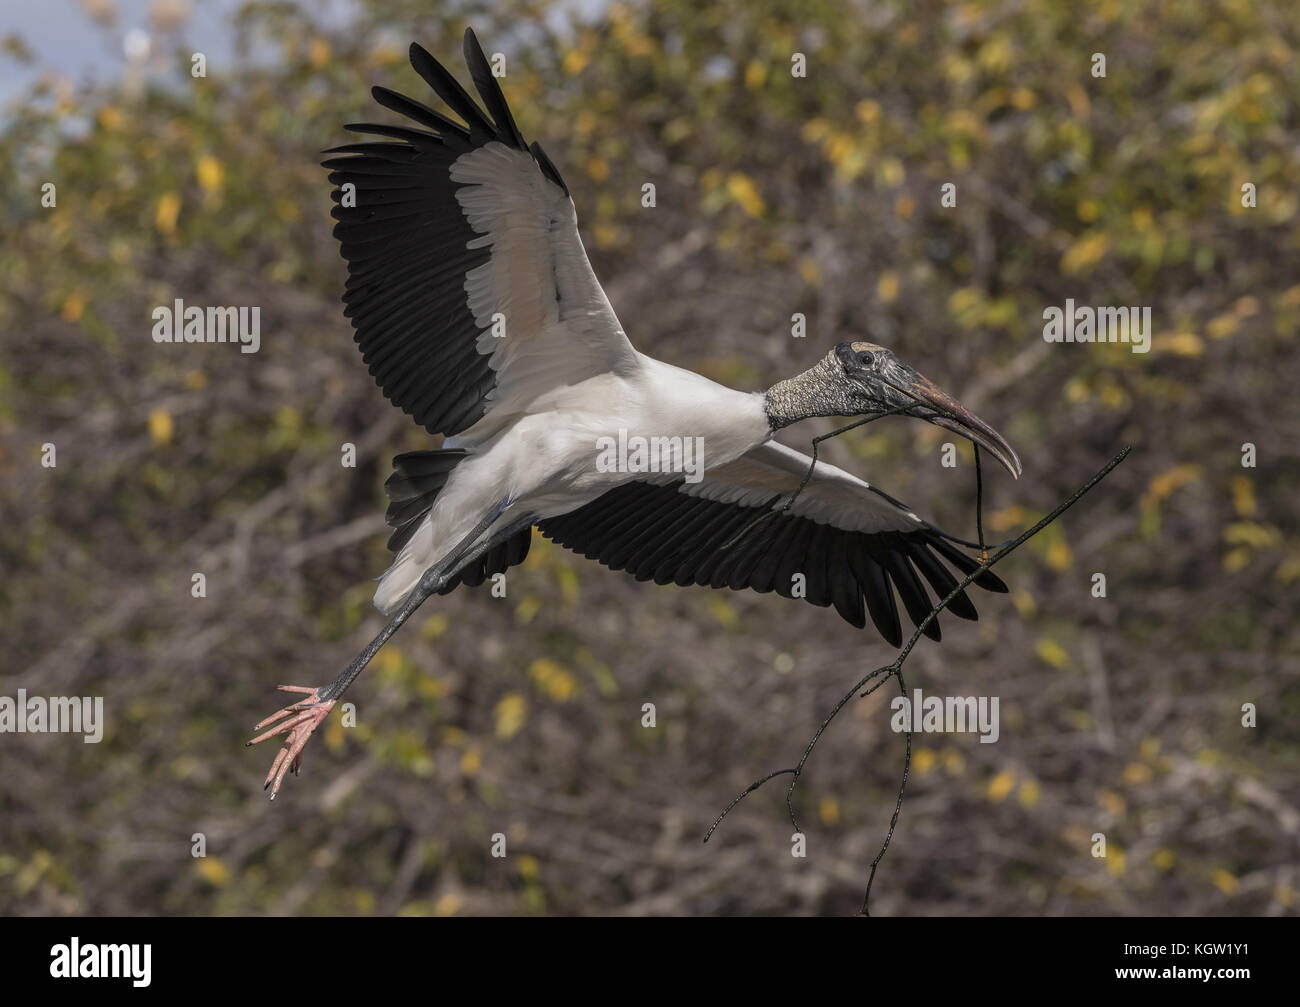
(952, 415)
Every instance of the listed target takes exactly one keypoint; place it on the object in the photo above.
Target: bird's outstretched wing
(853, 546)
(468, 285)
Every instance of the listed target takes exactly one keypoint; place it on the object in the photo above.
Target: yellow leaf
(447, 905)
(891, 172)
(1052, 652)
(570, 589)
(365, 901)
(1251, 533)
(1164, 859)
(722, 611)
(1029, 793)
(1288, 570)
(454, 737)
(1246, 306)
(510, 714)
(1006, 518)
(212, 870)
(745, 194)
(829, 810)
(528, 867)
(318, 53)
(887, 286)
(867, 111)
(210, 173)
(1223, 326)
(606, 234)
(169, 207)
(1136, 773)
(755, 74)
(1085, 253)
(1024, 602)
(814, 129)
(434, 626)
(575, 61)
(553, 679)
(1116, 860)
(435, 688)
(73, 306)
(966, 304)
(1059, 556)
(1243, 496)
(160, 426)
(1163, 485)
(1224, 881)
(1000, 786)
(924, 760)
(1078, 99)
(1236, 560)
(471, 762)
(1180, 344)
(1080, 720)
(839, 149)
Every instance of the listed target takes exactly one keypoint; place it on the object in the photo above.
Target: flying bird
(479, 316)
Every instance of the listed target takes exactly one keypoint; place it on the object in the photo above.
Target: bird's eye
(866, 358)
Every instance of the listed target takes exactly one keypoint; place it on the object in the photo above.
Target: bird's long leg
(299, 720)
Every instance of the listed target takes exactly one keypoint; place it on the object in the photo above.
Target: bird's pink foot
(298, 722)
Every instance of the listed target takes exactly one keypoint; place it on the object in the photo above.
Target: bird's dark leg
(306, 715)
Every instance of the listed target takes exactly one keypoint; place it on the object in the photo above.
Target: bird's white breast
(557, 455)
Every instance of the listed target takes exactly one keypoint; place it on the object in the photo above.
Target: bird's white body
(544, 459)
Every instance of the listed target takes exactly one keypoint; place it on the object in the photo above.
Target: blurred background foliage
(522, 715)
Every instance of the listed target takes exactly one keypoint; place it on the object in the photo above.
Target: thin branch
(807, 476)
(895, 669)
(898, 803)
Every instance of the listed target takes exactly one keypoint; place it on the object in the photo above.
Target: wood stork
(479, 315)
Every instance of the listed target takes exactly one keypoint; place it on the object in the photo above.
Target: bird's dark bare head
(858, 378)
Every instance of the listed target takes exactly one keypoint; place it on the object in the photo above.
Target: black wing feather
(662, 532)
(406, 240)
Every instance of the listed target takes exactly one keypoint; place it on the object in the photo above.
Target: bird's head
(859, 378)
(878, 381)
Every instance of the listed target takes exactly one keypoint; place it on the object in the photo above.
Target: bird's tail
(417, 478)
